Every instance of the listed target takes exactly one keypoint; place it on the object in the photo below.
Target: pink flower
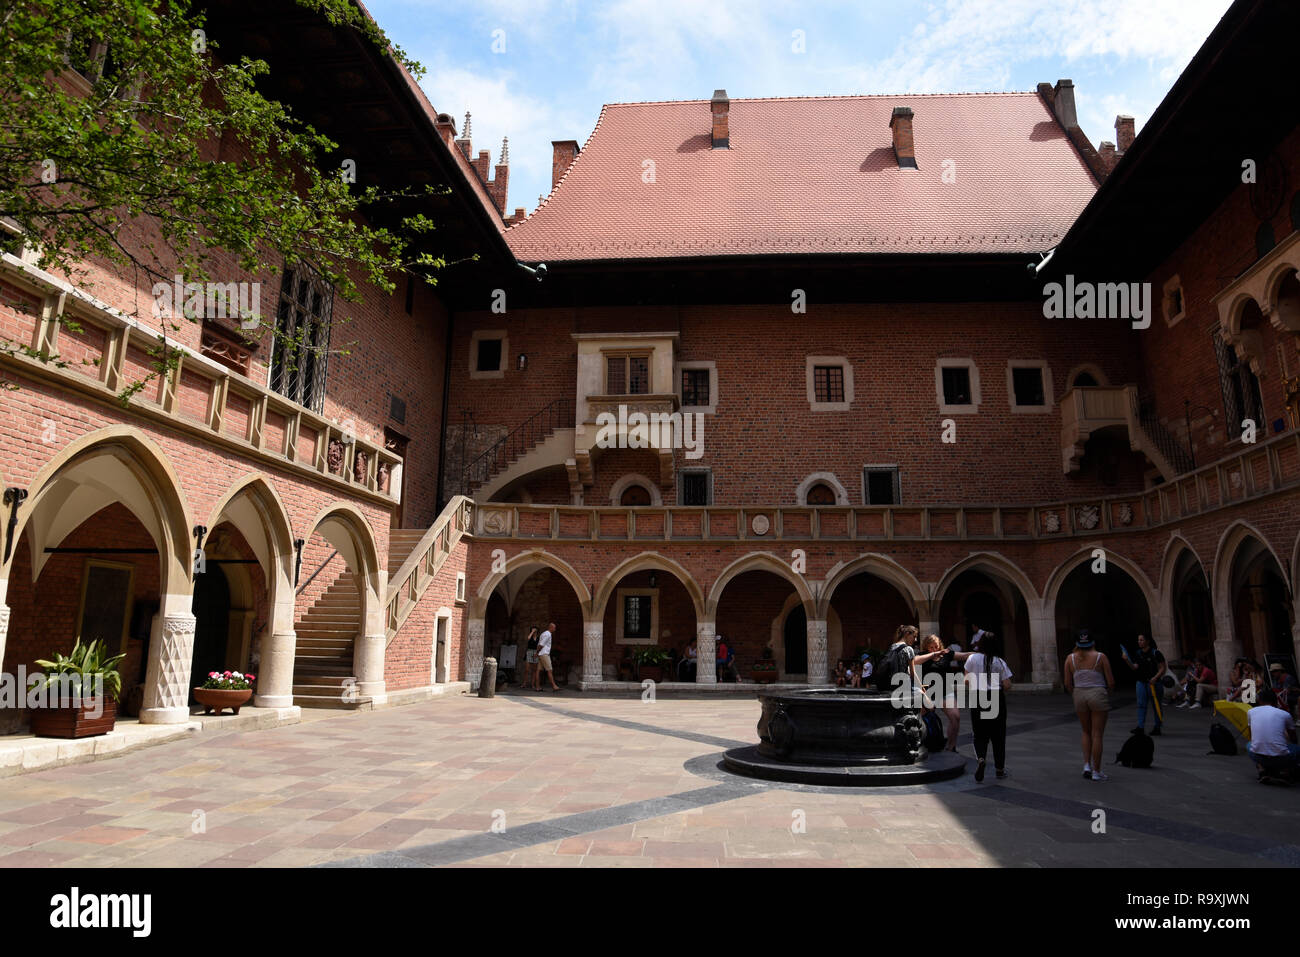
(226, 673)
(250, 677)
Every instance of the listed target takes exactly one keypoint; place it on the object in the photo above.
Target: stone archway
(116, 468)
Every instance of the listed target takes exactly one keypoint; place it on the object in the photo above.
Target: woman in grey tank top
(1088, 678)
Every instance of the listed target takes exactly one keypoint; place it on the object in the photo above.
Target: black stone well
(841, 736)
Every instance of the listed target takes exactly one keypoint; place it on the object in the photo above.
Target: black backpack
(1221, 740)
(895, 661)
(935, 739)
(1138, 751)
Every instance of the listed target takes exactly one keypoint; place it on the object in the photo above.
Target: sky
(540, 70)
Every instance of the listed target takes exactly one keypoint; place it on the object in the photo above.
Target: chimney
(482, 163)
(464, 141)
(501, 181)
(1063, 104)
(720, 107)
(904, 148)
(563, 153)
(446, 128)
(1107, 153)
(1124, 133)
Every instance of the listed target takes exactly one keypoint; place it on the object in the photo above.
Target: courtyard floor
(568, 780)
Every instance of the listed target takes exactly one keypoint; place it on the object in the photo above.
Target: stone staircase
(323, 665)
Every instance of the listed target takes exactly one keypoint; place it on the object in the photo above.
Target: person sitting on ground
(1207, 684)
(686, 667)
(1186, 688)
(1272, 739)
(1237, 679)
(1283, 686)
(854, 674)
(840, 675)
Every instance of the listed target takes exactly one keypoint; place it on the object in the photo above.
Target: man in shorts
(544, 659)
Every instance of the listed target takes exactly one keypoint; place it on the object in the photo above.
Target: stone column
(275, 677)
(818, 667)
(474, 631)
(1295, 631)
(368, 660)
(1227, 648)
(167, 680)
(593, 652)
(706, 651)
(1042, 643)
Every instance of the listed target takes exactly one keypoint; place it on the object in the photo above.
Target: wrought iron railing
(533, 430)
(1178, 455)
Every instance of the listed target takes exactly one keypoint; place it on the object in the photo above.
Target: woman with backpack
(935, 660)
(1088, 678)
(988, 678)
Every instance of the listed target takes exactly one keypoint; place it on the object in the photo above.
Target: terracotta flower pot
(764, 676)
(74, 721)
(653, 672)
(220, 698)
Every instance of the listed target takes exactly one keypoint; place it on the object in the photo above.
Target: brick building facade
(893, 430)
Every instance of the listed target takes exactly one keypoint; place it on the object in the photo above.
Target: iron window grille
(302, 337)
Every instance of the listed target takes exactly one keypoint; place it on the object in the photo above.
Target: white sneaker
(1196, 705)
(1183, 705)
(1100, 776)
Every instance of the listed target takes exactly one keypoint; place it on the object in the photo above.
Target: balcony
(1087, 411)
(626, 421)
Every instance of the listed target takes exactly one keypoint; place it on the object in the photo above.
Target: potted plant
(85, 687)
(650, 662)
(764, 670)
(626, 668)
(224, 689)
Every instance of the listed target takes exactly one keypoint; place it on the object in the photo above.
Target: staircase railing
(557, 415)
(408, 583)
(1169, 445)
(312, 577)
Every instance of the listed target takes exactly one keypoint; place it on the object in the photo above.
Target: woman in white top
(988, 679)
(1088, 678)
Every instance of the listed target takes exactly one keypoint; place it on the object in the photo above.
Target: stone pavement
(579, 780)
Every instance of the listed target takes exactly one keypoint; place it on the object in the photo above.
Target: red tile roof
(811, 176)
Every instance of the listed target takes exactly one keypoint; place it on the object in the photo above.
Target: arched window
(635, 495)
(821, 494)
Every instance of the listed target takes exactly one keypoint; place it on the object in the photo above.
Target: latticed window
(627, 375)
(636, 616)
(695, 387)
(828, 383)
(302, 338)
(695, 488)
(1240, 387)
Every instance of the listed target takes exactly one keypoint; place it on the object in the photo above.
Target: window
(1029, 385)
(880, 485)
(1173, 300)
(489, 355)
(627, 375)
(302, 336)
(695, 387)
(957, 386)
(488, 349)
(460, 586)
(829, 383)
(635, 495)
(1240, 388)
(1264, 241)
(821, 494)
(695, 487)
(636, 616)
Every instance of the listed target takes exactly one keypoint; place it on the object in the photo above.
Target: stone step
(333, 680)
(362, 702)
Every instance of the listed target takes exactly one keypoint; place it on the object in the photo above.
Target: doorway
(796, 642)
(212, 626)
